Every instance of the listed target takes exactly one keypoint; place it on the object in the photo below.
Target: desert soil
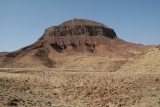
(134, 83)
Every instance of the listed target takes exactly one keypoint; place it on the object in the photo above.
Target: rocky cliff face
(75, 28)
(78, 34)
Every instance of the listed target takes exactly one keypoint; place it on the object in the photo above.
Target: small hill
(147, 62)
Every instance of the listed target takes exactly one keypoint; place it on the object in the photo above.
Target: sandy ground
(135, 83)
(78, 89)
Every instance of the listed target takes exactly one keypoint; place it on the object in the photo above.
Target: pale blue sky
(22, 22)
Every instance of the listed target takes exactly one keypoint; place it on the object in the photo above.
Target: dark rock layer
(77, 27)
(78, 34)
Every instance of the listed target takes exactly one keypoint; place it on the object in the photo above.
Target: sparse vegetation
(158, 46)
(50, 88)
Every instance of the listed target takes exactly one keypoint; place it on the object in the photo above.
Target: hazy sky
(22, 22)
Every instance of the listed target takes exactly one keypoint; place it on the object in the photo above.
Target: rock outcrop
(78, 34)
(77, 27)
